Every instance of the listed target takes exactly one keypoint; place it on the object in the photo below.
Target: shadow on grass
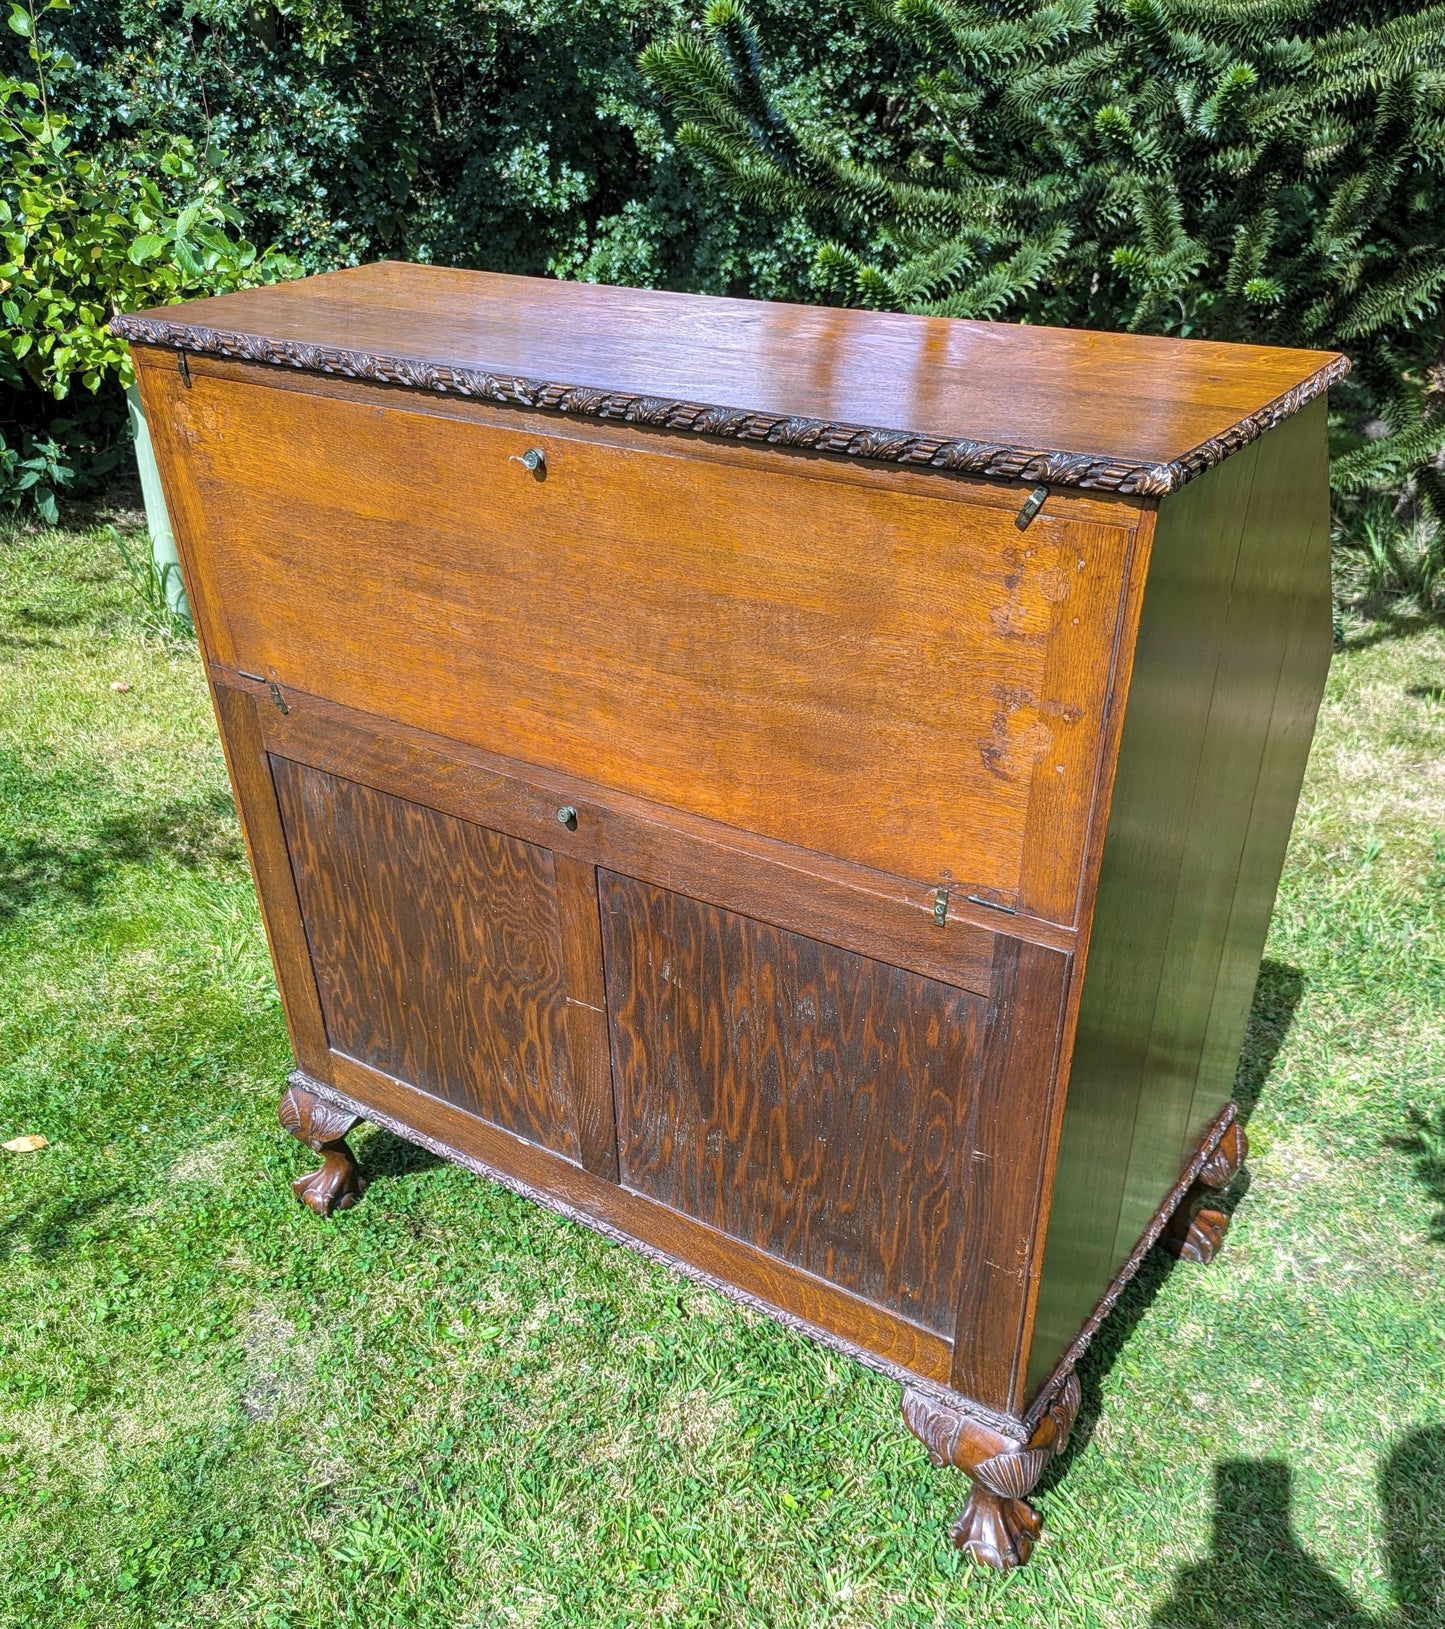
(384, 1156)
(46, 1234)
(1259, 1576)
(36, 872)
(1425, 1139)
(1386, 621)
(1277, 994)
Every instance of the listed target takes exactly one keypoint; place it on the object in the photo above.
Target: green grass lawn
(447, 1407)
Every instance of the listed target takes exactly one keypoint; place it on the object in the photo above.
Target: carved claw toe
(336, 1186)
(999, 1532)
(323, 1128)
(1200, 1239)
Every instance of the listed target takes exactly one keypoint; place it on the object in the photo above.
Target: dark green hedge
(1071, 161)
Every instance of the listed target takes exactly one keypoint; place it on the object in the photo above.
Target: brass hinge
(940, 906)
(1032, 504)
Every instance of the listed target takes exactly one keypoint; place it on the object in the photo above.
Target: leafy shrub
(1265, 170)
(85, 234)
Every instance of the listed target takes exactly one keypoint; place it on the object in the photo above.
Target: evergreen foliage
(1265, 170)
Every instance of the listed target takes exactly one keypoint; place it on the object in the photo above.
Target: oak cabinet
(798, 791)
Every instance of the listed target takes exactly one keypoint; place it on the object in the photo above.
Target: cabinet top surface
(1126, 413)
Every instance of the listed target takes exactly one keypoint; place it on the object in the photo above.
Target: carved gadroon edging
(996, 1527)
(1087, 471)
(1221, 1153)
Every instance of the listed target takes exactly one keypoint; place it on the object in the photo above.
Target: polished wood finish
(817, 1104)
(437, 950)
(679, 601)
(1229, 663)
(1124, 412)
(743, 829)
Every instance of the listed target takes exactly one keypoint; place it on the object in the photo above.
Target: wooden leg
(1197, 1229)
(997, 1527)
(322, 1127)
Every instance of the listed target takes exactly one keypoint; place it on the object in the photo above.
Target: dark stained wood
(1123, 403)
(748, 1275)
(323, 1128)
(1303, 620)
(680, 602)
(1267, 577)
(997, 1527)
(738, 833)
(878, 916)
(1233, 584)
(275, 886)
(437, 951)
(1012, 1142)
(587, 1040)
(816, 1105)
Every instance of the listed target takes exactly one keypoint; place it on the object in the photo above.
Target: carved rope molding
(1086, 471)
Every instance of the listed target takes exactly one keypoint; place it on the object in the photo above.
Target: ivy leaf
(20, 19)
(146, 247)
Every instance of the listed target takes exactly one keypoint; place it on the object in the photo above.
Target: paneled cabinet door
(438, 951)
(809, 1101)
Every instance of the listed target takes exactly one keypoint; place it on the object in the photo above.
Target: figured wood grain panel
(814, 1104)
(738, 1269)
(665, 627)
(437, 951)
(879, 916)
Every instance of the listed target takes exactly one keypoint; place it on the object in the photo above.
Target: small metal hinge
(940, 906)
(993, 905)
(183, 367)
(277, 697)
(1032, 504)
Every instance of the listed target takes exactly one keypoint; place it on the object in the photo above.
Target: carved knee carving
(1197, 1229)
(997, 1526)
(323, 1128)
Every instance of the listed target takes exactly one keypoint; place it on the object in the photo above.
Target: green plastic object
(158, 521)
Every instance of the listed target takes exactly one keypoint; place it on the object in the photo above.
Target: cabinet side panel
(1234, 626)
(1178, 652)
(1308, 647)
(1269, 595)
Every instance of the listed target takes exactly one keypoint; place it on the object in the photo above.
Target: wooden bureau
(799, 791)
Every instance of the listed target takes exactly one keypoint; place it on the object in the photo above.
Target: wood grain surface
(1209, 767)
(437, 950)
(752, 1276)
(1126, 411)
(662, 627)
(879, 916)
(815, 1104)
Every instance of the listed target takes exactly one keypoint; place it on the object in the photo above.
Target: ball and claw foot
(997, 1526)
(1197, 1229)
(997, 1532)
(323, 1128)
